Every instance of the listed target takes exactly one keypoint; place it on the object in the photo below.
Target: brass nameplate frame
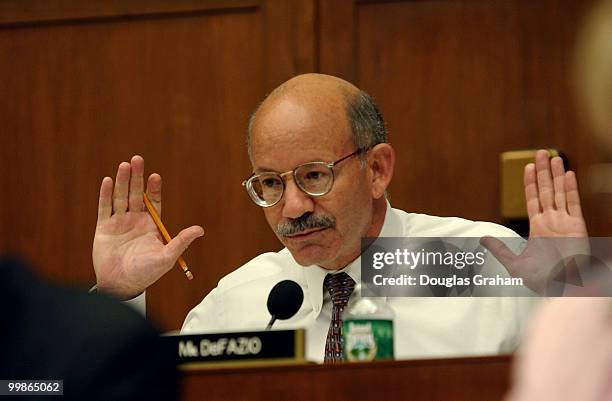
(238, 349)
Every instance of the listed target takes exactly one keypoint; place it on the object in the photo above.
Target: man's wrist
(138, 302)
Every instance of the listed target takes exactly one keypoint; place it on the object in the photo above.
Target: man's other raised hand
(128, 252)
(553, 207)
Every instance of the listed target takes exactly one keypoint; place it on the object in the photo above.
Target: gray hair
(367, 123)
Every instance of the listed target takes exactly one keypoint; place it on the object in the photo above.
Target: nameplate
(241, 349)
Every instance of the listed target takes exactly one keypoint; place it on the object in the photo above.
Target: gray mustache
(306, 221)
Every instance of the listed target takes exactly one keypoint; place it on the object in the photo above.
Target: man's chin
(310, 255)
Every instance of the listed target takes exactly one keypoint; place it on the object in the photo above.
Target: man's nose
(296, 201)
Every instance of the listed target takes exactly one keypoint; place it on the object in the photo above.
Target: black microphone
(284, 301)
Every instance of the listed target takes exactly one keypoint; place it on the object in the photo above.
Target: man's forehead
(291, 133)
(291, 119)
(303, 119)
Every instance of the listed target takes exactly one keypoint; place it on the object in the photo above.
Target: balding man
(321, 166)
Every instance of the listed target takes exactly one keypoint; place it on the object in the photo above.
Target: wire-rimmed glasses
(315, 179)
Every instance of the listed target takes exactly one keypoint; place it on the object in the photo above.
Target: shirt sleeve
(206, 316)
(138, 303)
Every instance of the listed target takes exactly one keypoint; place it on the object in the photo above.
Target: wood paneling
(458, 379)
(459, 82)
(81, 96)
(290, 40)
(337, 34)
(37, 11)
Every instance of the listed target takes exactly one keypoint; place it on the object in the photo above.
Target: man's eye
(270, 183)
(314, 175)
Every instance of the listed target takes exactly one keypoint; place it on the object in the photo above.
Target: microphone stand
(269, 326)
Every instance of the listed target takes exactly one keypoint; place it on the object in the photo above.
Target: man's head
(320, 118)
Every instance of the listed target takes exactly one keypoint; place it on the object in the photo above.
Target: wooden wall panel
(39, 11)
(80, 96)
(459, 82)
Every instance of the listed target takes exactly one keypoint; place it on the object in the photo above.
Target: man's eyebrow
(260, 170)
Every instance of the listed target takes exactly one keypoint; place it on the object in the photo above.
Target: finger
(573, 196)
(120, 194)
(531, 191)
(501, 252)
(136, 203)
(178, 244)
(558, 172)
(105, 202)
(154, 187)
(545, 183)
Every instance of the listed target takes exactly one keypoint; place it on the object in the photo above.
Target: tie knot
(340, 287)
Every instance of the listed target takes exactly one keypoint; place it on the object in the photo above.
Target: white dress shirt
(423, 327)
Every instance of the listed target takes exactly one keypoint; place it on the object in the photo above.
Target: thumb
(178, 244)
(501, 252)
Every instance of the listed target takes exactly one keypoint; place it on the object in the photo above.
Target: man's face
(324, 230)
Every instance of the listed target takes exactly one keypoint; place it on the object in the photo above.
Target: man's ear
(381, 161)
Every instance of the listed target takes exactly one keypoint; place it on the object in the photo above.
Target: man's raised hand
(553, 207)
(128, 251)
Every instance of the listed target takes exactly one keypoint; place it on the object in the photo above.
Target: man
(321, 166)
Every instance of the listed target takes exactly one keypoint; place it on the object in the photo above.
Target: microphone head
(285, 299)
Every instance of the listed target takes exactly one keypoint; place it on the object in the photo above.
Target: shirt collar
(315, 275)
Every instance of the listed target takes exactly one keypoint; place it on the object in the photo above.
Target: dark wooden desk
(457, 379)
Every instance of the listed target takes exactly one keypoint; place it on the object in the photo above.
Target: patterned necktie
(340, 287)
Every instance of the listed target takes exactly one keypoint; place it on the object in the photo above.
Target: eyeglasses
(315, 179)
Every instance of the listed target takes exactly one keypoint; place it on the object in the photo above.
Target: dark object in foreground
(101, 349)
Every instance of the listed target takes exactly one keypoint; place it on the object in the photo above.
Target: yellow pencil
(165, 234)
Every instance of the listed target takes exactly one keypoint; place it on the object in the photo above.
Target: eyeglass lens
(313, 178)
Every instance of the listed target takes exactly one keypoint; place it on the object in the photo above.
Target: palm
(553, 206)
(128, 252)
(555, 223)
(127, 241)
